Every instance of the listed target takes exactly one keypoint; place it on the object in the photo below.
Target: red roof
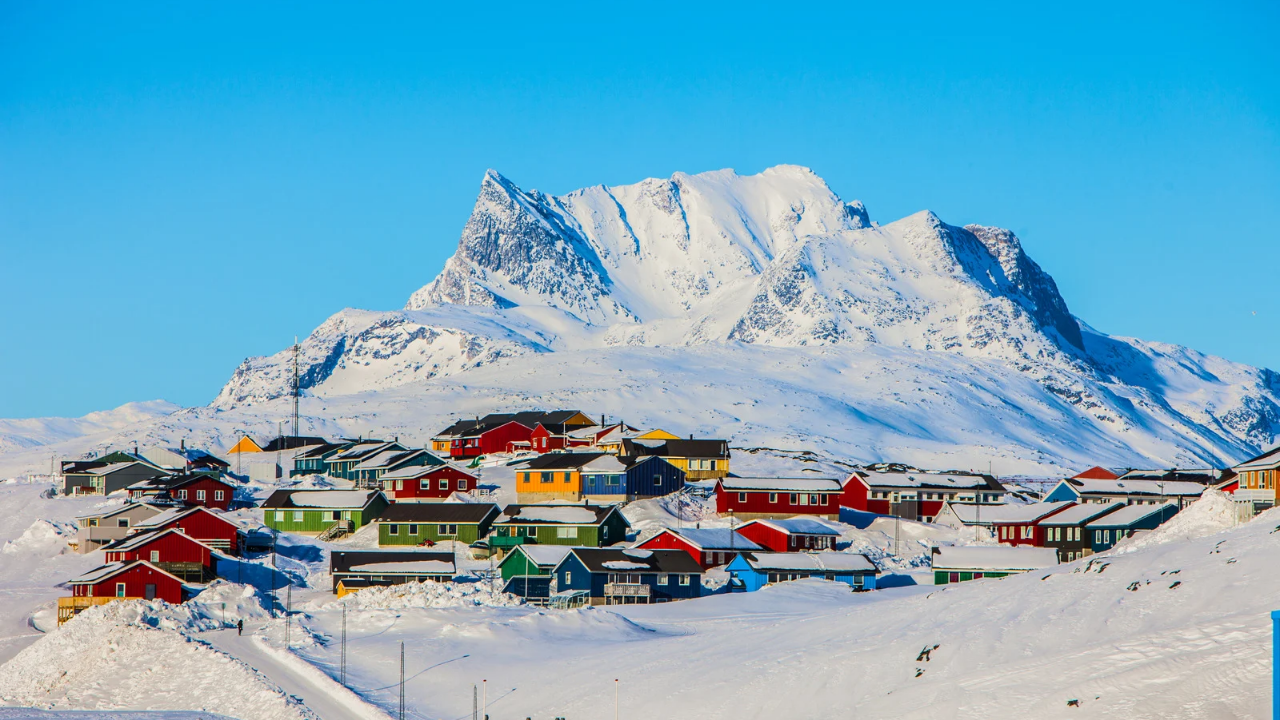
(1096, 473)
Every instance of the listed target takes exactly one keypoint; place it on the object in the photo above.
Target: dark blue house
(613, 479)
(627, 576)
(1111, 528)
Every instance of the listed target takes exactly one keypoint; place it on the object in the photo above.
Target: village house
(353, 570)
(170, 549)
(526, 570)
(503, 432)
(638, 478)
(430, 523)
(1104, 532)
(708, 547)
(442, 442)
(368, 472)
(427, 483)
(1258, 479)
(699, 459)
(773, 498)
(973, 562)
(1065, 531)
(915, 495)
(342, 464)
(312, 460)
(609, 437)
(1019, 524)
(558, 524)
(292, 443)
(103, 477)
(554, 476)
(562, 429)
(968, 514)
(1130, 492)
(137, 580)
(105, 527)
(209, 527)
(797, 534)
(627, 576)
(182, 459)
(324, 513)
(201, 488)
(751, 571)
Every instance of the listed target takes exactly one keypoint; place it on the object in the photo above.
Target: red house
(1016, 524)
(916, 495)
(170, 550)
(203, 524)
(779, 497)
(798, 534)
(427, 483)
(137, 580)
(512, 432)
(199, 489)
(562, 429)
(709, 547)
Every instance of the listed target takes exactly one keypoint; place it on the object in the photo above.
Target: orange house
(554, 476)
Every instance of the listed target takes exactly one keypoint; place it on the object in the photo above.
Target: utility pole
(475, 703)
(344, 645)
(484, 700)
(615, 699)
(401, 680)
(288, 613)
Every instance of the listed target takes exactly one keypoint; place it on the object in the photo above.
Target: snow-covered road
(295, 676)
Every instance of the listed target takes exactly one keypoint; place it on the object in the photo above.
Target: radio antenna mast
(296, 388)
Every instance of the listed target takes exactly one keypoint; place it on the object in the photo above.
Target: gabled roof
(783, 485)
(156, 509)
(345, 561)
(544, 556)
(709, 538)
(558, 422)
(636, 560)
(178, 513)
(316, 499)
(797, 526)
(558, 514)
(1269, 460)
(996, 558)
(1203, 476)
(106, 572)
(429, 513)
(393, 457)
(245, 444)
(457, 429)
(810, 562)
(177, 481)
(293, 442)
(1125, 486)
(1097, 473)
(944, 481)
(361, 449)
(413, 472)
(137, 540)
(562, 461)
(319, 451)
(1029, 513)
(1129, 515)
(693, 448)
(1081, 514)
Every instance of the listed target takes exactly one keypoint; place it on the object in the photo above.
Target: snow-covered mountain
(718, 263)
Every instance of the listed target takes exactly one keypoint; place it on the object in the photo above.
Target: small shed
(751, 571)
(797, 534)
(952, 564)
(354, 569)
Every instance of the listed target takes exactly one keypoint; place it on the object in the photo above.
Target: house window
(657, 481)
(568, 577)
(742, 497)
(604, 531)
(200, 495)
(218, 496)
(155, 556)
(462, 484)
(122, 522)
(793, 499)
(182, 494)
(120, 590)
(424, 484)
(413, 529)
(684, 579)
(393, 529)
(804, 499)
(280, 514)
(662, 579)
(546, 477)
(566, 477)
(298, 516)
(773, 498)
(567, 532)
(444, 483)
(824, 499)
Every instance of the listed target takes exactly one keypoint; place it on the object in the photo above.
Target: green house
(559, 524)
(417, 523)
(312, 512)
(526, 570)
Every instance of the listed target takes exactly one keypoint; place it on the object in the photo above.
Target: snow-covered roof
(416, 471)
(1137, 487)
(825, 561)
(1030, 512)
(557, 513)
(165, 517)
(625, 565)
(378, 460)
(1081, 513)
(800, 526)
(922, 479)
(319, 498)
(1128, 515)
(117, 510)
(417, 567)
(782, 484)
(545, 555)
(99, 573)
(139, 539)
(360, 449)
(108, 469)
(605, 464)
(1269, 460)
(715, 538)
(1000, 557)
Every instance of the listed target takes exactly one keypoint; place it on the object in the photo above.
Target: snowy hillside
(755, 280)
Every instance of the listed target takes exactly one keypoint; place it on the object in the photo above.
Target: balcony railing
(69, 607)
(627, 589)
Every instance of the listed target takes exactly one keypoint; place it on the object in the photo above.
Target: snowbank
(42, 537)
(429, 595)
(1214, 512)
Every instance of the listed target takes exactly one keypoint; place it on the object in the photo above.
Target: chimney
(184, 444)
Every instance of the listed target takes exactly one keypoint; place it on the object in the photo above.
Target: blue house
(628, 576)
(612, 479)
(1111, 528)
(751, 571)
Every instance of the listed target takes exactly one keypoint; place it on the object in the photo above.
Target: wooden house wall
(466, 533)
(173, 548)
(136, 579)
(204, 526)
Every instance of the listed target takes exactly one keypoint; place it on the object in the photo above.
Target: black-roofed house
(311, 460)
(558, 524)
(1065, 531)
(352, 570)
(626, 576)
(700, 459)
(101, 528)
(205, 489)
(96, 478)
(430, 523)
(561, 429)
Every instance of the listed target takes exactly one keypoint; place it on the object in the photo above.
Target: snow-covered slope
(32, 432)
(723, 266)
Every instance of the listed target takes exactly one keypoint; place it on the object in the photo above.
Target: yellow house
(699, 459)
(657, 434)
(244, 445)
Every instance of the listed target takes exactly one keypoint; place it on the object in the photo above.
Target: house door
(151, 591)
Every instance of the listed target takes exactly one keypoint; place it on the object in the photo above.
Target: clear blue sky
(183, 185)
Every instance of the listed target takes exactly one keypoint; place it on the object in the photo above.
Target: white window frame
(155, 556)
